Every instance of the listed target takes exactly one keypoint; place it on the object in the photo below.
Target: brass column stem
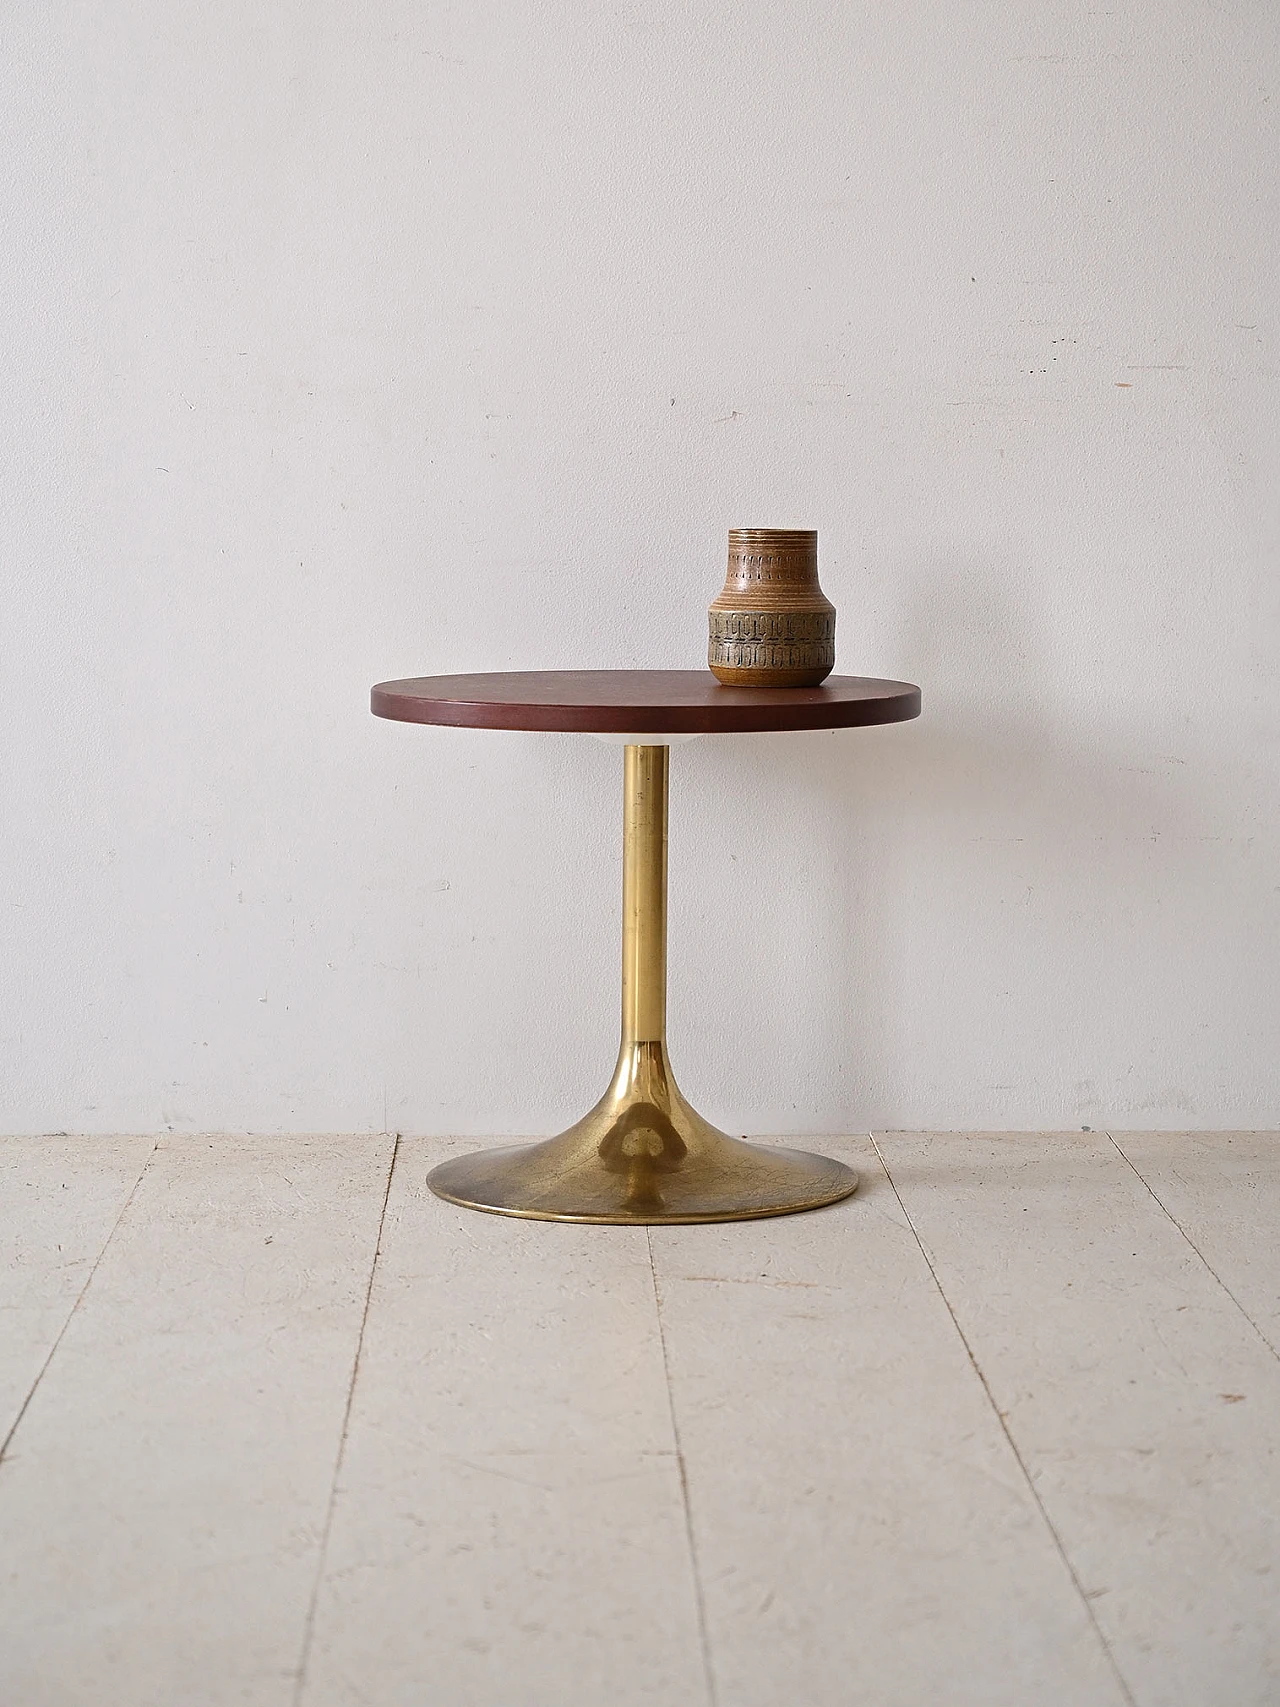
(644, 896)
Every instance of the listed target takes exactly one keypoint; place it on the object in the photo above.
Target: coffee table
(642, 1154)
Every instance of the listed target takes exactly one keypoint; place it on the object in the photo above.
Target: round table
(642, 1154)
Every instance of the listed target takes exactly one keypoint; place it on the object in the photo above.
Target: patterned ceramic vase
(771, 627)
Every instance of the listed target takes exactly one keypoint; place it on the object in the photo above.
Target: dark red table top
(651, 702)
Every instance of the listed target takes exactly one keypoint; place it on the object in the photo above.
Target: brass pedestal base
(642, 1155)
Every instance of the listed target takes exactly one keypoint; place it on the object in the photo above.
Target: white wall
(344, 342)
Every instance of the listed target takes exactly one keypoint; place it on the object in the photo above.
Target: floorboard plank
(1142, 1401)
(59, 1199)
(509, 1528)
(864, 1534)
(1223, 1190)
(161, 1510)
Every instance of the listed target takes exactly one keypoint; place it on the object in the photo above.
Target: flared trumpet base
(642, 1156)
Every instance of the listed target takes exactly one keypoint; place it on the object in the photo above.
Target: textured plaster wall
(343, 342)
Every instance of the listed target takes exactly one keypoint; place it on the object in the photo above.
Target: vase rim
(756, 536)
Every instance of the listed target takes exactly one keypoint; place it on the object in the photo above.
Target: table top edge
(703, 706)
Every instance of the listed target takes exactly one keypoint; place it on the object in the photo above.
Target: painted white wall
(343, 342)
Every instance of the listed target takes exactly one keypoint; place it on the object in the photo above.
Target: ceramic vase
(771, 626)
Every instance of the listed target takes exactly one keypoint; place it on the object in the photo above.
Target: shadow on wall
(1036, 890)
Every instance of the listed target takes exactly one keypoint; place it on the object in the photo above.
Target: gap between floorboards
(308, 1631)
(1163, 1207)
(76, 1303)
(1002, 1421)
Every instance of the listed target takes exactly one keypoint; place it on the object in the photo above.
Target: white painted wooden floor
(281, 1428)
